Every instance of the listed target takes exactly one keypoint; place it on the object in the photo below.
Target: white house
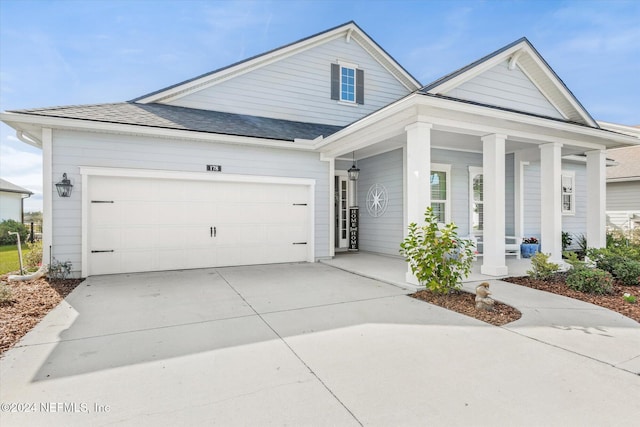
(248, 164)
(12, 201)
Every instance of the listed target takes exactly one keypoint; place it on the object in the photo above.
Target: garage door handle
(213, 231)
(299, 243)
(97, 252)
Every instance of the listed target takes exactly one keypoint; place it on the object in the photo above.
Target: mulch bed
(613, 301)
(30, 302)
(464, 303)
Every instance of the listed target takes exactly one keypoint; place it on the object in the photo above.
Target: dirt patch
(464, 303)
(30, 302)
(613, 301)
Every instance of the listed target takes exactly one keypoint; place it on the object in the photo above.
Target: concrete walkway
(570, 324)
(305, 344)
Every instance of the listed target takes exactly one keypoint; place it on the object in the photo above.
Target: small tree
(437, 256)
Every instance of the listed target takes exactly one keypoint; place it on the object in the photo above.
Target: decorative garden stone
(483, 300)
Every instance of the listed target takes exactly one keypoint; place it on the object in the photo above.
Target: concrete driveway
(296, 344)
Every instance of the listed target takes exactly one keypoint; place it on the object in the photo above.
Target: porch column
(47, 194)
(550, 201)
(417, 172)
(596, 199)
(493, 184)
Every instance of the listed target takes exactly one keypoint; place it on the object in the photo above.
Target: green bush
(13, 226)
(604, 258)
(566, 240)
(541, 268)
(437, 256)
(33, 256)
(627, 271)
(590, 280)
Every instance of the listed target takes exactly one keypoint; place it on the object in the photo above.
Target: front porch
(393, 270)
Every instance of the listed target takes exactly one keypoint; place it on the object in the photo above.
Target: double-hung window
(347, 83)
(476, 200)
(441, 191)
(568, 181)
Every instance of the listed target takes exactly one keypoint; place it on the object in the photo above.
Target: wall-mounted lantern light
(353, 171)
(64, 187)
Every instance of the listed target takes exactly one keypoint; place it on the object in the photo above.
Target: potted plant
(529, 247)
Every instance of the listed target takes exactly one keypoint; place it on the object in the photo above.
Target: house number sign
(214, 168)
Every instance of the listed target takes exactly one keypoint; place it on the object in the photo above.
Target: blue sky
(97, 51)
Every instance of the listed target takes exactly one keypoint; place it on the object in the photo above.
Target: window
(568, 192)
(441, 191)
(476, 200)
(347, 83)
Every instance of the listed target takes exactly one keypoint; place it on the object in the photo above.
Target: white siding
(10, 206)
(382, 234)
(506, 88)
(74, 149)
(299, 88)
(623, 196)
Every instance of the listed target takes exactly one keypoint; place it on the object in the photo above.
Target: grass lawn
(9, 258)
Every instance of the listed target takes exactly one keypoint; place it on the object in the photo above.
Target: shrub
(13, 226)
(590, 280)
(541, 268)
(566, 240)
(437, 256)
(59, 270)
(33, 256)
(605, 259)
(5, 293)
(627, 271)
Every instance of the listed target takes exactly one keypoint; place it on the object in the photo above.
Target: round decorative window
(377, 199)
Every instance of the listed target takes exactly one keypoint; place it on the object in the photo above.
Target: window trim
(473, 171)
(446, 168)
(336, 83)
(572, 194)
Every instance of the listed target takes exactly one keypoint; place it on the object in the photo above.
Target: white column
(47, 194)
(550, 200)
(596, 199)
(417, 173)
(493, 184)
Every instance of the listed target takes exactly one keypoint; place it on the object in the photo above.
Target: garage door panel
(157, 224)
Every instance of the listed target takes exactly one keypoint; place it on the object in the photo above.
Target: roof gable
(516, 72)
(350, 31)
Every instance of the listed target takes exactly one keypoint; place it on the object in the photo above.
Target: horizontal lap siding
(299, 88)
(382, 234)
(623, 196)
(74, 149)
(506, 88)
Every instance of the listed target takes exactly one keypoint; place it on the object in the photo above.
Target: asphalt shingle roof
(182, 118)
(628, 159)
(12, 188)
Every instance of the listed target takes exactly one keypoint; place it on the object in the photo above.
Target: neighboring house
(623, 184)
(12, 201)
(248, 164)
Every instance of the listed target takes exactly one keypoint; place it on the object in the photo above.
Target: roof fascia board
(626, 179)
(349, 31)
(616, 127)
(117, 128)
(475, 71)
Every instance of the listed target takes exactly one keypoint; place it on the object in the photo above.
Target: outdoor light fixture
(353, 171)
(64, 187)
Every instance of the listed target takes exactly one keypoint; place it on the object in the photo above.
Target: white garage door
(145, 224)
